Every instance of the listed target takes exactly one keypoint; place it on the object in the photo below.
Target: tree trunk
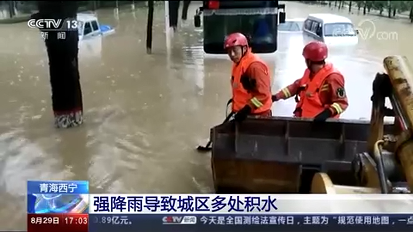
(329, 3)
(381, 11)
(185, 9)
(389, 12)
(349, 6)
(11, 9)
(365, 10)
(411, 14)
(394, 13)
(173, 14)
(63, 64)
(149, 27)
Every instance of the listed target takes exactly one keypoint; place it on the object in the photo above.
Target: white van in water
(331, 29)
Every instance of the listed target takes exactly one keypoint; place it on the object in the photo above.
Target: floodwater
(144, 114)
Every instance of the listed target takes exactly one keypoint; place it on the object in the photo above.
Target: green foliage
(390, 7)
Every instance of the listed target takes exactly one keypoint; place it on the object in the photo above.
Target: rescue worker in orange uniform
(320, 93)
(250, 80)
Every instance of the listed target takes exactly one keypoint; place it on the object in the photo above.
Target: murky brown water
(145, 114)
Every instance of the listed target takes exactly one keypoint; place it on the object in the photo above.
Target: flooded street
(145, 114)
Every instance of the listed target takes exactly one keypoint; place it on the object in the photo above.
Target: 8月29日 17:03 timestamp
(53, 222)
(113, 220)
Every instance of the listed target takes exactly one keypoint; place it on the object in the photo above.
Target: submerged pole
(116, 10)
(149, 27)
(167, 16)
(167, 28)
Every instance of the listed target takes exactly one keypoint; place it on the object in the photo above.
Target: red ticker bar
(57, 222)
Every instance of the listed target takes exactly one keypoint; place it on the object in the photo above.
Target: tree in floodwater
(174, 12)
(341, 4)
(392, 7)
(63, 64)
(410, 5)
(185, 9)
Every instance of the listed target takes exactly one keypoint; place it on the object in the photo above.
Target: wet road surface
(144, 114)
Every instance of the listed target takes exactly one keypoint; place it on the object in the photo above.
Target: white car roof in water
(330, 18)
(86, 17)
(295, 20)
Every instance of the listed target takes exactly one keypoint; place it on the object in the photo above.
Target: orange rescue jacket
(310, 104)
(242, 97)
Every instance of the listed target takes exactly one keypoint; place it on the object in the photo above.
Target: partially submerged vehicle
(292, 155)
(333, 30)
(91, 33)
(292, 26)
(88, 26)
(290, 37)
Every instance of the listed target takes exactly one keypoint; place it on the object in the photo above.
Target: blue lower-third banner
(227, 223)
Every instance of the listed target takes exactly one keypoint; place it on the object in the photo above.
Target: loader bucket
(281, 154)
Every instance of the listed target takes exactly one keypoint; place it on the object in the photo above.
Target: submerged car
(91, 34)
(291, 26)
(290, 36)
(88, 26)
(333, 30)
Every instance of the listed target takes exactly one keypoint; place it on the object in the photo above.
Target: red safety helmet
(315, 51)
(235, 39)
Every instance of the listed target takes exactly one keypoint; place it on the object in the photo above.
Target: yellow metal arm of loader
(400, 74)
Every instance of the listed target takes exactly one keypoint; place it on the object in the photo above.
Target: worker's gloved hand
(323, 116)
(248, 83)
(274, 98)
(242, 114)
(381, 87)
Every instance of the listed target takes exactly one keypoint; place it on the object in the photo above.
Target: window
(260, 28)
(314, 26)
(317, 29)
(339, 29)
(88, 29)
(95, 25)
(307, 24)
